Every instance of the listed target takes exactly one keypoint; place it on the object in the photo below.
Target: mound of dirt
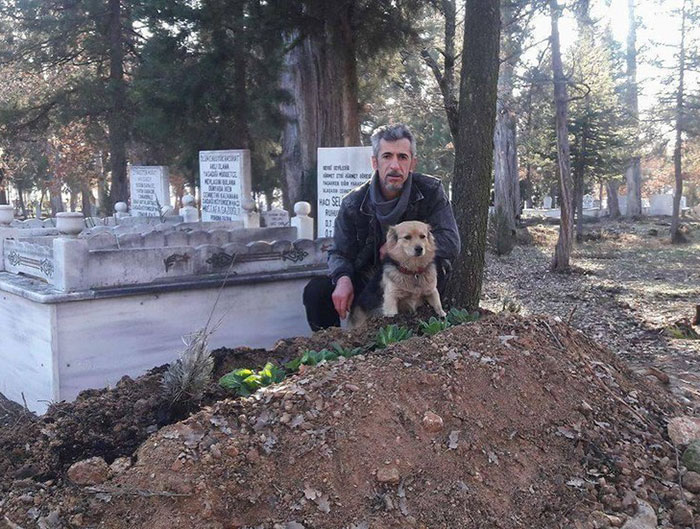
(506, 422)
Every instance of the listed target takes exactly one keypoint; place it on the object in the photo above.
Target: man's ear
(392, 236)
(414, 161)
(375, 164)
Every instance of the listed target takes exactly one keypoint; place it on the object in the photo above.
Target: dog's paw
(441, 313)
(390, 313)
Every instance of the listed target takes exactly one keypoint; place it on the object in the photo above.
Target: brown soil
(541, 428)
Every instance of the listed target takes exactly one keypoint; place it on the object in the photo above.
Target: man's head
(393, 157)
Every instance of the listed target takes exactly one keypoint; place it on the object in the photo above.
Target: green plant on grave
(312, 358)
(512, 306)
(500, 235)
(392, 334)
(433, 326)
(458, 316)
(244, 382)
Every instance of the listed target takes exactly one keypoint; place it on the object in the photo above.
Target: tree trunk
(86, 199)
(580, 171)
(562, 252)
(474, 148)
(290, 158)
(321, 78)
(676, 236)
(445, 78)
(117, 118)
(506, 178)
(505, 156)
(106, 209)
(611, 187)
(20, 199)
(633, 173)
(55, 200)
(346, 47)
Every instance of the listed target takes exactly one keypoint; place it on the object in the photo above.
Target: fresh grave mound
(112, 423)
(501, 423)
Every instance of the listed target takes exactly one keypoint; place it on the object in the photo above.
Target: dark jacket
(355, 250)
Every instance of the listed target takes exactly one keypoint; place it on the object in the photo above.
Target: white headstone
(547, 202)
(224, 178)
(661, 205)
(588, 202)
(276, 218)
(340, 170)
(622, 202)
(150, 190)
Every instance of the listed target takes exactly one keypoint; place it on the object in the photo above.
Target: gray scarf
(389, 212)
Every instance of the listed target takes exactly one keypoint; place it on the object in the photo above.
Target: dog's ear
(392, 236)
(431, 238)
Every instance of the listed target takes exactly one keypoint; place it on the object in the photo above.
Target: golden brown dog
(407, 278)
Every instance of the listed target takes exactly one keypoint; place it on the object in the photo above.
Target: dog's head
(410, 239)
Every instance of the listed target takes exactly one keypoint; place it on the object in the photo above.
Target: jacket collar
(366, 205)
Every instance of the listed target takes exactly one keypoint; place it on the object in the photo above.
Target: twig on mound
(134, 492)
(571, 315)
(11, 524)
(600, 382)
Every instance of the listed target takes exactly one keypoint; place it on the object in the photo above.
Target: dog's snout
(418, 250)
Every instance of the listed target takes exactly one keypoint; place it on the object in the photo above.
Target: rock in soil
(684, 430)
(91, 471)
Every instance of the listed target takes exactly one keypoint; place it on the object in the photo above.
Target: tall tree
(327, 41)
(474, 147)
(514, 22)
(562, 251)
(91, 43)
(633, 173)
(676, 236)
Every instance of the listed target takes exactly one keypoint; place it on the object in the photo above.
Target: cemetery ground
(556, 412)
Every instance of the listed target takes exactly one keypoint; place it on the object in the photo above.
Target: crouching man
(394, 194)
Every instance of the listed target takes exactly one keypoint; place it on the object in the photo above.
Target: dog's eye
(407, 237)
(422, 236)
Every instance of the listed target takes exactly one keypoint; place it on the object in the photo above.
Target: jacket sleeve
(342, 255)
(444, 226)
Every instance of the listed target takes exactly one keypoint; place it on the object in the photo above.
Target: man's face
(393, 165)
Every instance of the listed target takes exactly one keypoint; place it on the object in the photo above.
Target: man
(394, 194)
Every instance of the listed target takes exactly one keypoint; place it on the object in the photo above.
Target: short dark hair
(392, 133)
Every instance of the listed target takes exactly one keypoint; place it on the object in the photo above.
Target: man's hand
(343, 296)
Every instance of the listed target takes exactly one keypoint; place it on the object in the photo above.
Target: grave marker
(150, 189)
(340, 170)
(224, 178)
(276, 218)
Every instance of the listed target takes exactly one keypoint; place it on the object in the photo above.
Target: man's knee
(318, 301)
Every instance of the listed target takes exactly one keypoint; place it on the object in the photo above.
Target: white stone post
(70, 257)
(251, 217)
(7, 214)
(302, 222)
(121, 210)
(189, 211)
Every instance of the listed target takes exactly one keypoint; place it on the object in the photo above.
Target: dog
(407, 277)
